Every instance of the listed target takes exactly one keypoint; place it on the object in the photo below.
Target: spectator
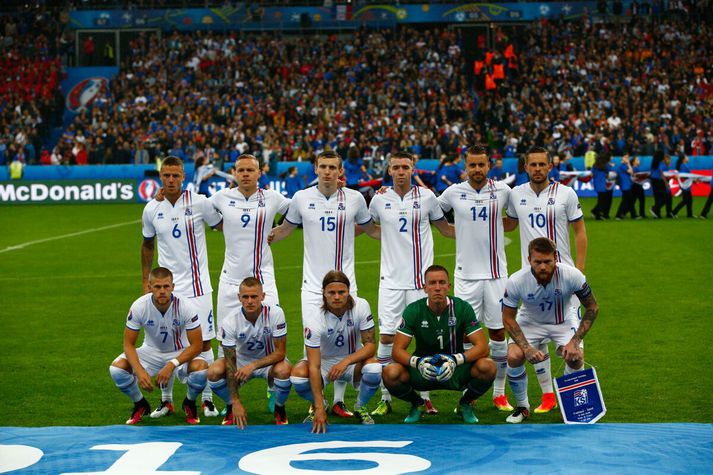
(659, 184)
(293, 183)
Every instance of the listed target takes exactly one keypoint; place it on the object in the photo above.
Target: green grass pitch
(64, 301)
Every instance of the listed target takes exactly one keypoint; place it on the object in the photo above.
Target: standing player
(340, 344)
(405, 213)
(248, 213)
(438, 324)
(328, 215)
(545, 288)
(172, 343)
(254, 339)
(177, 221)
(481, 266)
(547, 209)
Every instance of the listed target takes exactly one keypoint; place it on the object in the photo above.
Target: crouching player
(254, 338)
(335, 352)
(172, 344)
(545, 288)
(438, 323)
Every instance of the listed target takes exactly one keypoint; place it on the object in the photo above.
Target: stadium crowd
(572, 86)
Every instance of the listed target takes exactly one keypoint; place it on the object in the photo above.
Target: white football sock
(127, 383)
(370, 380)
(543, 370)
(518, 383)
(209, 357)
(499, 354)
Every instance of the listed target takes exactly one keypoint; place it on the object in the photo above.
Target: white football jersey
(165, 332)
(339, 336)
(548, 304)
(406, 238)
(480, 237)
(545, 215)
(246, 225)
(252, 341)
(181, 239)
(328, 226)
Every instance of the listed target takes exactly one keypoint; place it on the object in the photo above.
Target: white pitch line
(64, 236)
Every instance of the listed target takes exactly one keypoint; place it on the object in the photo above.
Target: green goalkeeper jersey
(439, 333)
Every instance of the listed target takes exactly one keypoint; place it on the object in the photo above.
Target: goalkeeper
(438, 324)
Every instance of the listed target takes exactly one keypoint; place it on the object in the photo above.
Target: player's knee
(121, 377)
(515, 355)
(386, 339)
(371, 374)
(496, 335)
(300, 370)
(484, 369)
(576, 364)
(120, 363)
(393, 374)
(282, 370)
(216, 371)
(198, 364)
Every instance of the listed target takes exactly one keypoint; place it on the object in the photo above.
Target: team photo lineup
(401, 218)
(415, 299)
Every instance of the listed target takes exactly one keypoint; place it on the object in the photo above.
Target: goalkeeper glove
(450, 362)
(424, 366)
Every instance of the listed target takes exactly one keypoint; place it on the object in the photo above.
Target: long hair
(339, 277)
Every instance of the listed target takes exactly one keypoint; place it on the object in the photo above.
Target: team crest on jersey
(350, 322)
(492, 196)
(308, 333)
(265, 330)
(189, 212)
(523, 202)
(150, 323)
(451, 321)
(340, 207)
(558, 292)
(551, 202)
(241, 336)
(416, 205)
(176, 323)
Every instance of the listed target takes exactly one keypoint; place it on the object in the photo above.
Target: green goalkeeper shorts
(458, 381)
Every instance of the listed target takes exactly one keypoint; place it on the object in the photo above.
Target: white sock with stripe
(220, 388)
(383, 354)
(282, 390)
(518, 383)
(127, 383)
(302, 388)
(499, 353)
(543, 370)
(209, 357)
(196, 383)
(370, 380)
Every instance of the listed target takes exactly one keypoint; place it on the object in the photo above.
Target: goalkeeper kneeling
(438, 323)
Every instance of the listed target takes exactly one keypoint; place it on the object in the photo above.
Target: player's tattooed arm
(590, 314)
(230, 369)
(532, 354)
(368, 336)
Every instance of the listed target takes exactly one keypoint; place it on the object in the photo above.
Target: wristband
(460, 358)
(413, 362)
(175, 362)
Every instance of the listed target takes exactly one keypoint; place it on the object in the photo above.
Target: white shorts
(154, 360)
(326, 365)
(560, 333)
(228, 296)
(392, 303)
(204, 306)
(485, 296)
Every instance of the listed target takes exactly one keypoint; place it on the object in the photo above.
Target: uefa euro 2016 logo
(84, 93)
(580, 397)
